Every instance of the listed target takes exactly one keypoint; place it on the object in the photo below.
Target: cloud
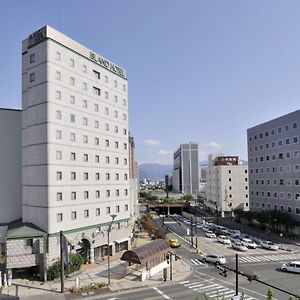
(150, 142)
(214, 145)
(165, 152)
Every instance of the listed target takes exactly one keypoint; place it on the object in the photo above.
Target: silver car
(214, 258)
(269, 245)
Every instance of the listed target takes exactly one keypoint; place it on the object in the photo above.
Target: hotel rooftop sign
(107, 64)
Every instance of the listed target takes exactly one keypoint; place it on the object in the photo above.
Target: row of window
(84, 120)
(73, 100)
(281, 195)
(281, 155)
(229, 171)
(280, 143)
(86, 194)
(279, 130)
(275, 207)
(277, 169)
(73, 176)
(230, 179)
(86, 213)
(288, 182)
(85, 139)
(96, 74)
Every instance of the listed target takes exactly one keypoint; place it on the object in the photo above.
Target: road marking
(161, 293)
(182, 282)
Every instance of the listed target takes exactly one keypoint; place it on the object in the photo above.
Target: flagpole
(62, 265)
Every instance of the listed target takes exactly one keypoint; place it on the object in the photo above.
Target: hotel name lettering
(107, 64)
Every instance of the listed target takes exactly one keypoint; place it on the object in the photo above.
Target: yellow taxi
(174, 243)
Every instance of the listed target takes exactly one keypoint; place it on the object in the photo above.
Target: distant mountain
(156, 172)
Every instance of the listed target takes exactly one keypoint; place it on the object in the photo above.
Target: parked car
(210, 234)
(238, 246)
(293, 266)
(212, 258)
(174, 243)
(249, 243)
(224, 239)
(269, 245)
(205, 228)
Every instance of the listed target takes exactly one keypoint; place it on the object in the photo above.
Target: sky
(198, 71)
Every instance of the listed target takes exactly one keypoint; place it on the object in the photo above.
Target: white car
(224, 239)
(205, 228)
(210, 234)
(216, 259)
(238, 246)
(269, 245)
(249, 243)
(293, 266)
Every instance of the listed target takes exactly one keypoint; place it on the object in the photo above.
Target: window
(73, 156)
(229, 179)
(97, 91)
(116, 145)
(72, 81)
(85, 139)
(116, 98)
(58, 115)
(297, 210)
(125, 161)
(97, 158)
(124, 117)
(72, 99)
(289, 209)
(85, 157)
(96, 107)
(289, 196)
(84, 121)
(117, 176)
(97, 194)
(58, 155)
(115, 83)
(84, 68)
(72, 137)
(117, 193)
(97, 176)
(125, 148)
(295, 139)
(125, 192)
(116, 114)
(125, 176)
(85, 176)
(124, 87)
(295, 125)
(117, 208)
(58, 56)
(106, 143)
(287, 127)
(96, 74)
(84, 86)
(73, 195)
(97, 141)
(297, 196)
(116, 129)
(86, 213)
(296, 168)
(58, 134)
(105, 79)
(84, 103)
(32, 58)
(107, 210)
(73, 215)
(106, 127)
(126, 207)
(287, 141)
(116, 160)
(58, 95)
(59, 217)
(288, 155)
(72, 118)
(96, 124)
(125, 131)
(107, 159)
(59, 196)
(107, 176)
(72, 63)
(106, 111)
(73, 175)
(85, 194)
(281, 208)
(106, 95)
(107, 193)
(58, 75)
(98, 211)
(32, 77)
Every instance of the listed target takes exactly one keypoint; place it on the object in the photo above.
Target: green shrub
(54, 271)
(76, 260)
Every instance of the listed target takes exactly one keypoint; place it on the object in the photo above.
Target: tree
(270, 294)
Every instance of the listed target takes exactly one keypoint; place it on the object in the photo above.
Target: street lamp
(108, 254)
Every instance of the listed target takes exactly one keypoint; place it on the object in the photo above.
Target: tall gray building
(186, 169)
(274, 165)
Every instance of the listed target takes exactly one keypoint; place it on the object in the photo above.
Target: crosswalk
(211, 289)
(266, 258)
(197, 262)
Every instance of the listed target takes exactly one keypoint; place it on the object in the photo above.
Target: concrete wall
(10, 165)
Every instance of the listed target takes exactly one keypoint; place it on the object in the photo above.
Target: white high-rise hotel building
(75, 160)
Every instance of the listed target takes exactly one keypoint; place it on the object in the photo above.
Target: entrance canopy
(142, 254)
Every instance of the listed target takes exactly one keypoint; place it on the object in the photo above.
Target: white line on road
(161, 293)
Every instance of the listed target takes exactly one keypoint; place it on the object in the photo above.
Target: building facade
(75, 152)
(226, 184)
(185, 178)
(274, 165)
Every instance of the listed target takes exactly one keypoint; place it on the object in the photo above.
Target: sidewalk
(121, 279)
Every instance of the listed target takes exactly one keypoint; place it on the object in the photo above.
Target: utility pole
(171, 266)
(62, 264)
(196, 232)
(236, 274)
(217, 213)
(192, 240)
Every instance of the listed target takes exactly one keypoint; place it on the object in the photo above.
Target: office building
(185, 178)
(226, 184)
(75, 153)
(274, 165)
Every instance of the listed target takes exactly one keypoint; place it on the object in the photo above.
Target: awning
(125, 239)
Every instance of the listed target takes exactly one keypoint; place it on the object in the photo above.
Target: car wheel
(203, 259)
(217, 263)
(284, 270)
